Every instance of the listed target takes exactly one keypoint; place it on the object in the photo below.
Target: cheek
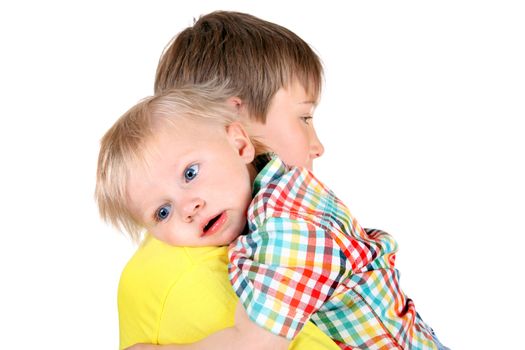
(286, 141)
(247, 197)
(159, 235)
(232, 180)
(295, 151)
(170, 232)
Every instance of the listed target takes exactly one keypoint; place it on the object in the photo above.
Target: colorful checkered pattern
(305, 257)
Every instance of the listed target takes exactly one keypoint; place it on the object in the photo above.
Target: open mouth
(214, 224)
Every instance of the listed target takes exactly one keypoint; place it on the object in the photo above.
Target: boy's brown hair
(254, 57)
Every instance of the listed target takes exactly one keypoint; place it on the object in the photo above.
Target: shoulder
(156, 265)
(292, 190)
(276, 176)
(157, 284)
(151, 260)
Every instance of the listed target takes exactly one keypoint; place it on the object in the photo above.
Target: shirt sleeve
(283, 271)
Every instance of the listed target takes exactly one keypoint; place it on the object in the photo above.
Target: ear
(240, 140)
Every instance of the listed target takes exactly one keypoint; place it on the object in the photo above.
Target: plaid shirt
(305, 257)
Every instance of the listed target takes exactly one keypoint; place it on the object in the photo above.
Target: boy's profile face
(289, 129)
(196, 187)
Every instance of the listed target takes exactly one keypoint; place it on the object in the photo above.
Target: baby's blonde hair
(124, 146)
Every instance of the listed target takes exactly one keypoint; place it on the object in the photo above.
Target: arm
(245, 334)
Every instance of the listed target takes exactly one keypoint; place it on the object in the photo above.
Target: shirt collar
(269, 167)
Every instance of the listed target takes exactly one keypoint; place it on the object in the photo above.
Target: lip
(217, 225)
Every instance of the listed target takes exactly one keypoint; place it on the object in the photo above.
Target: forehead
(182, 137)
(311, 92)
(295, 93)
(311, 84)
(166, 139)
(166, 149)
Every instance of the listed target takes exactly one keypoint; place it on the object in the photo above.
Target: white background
(422, 119)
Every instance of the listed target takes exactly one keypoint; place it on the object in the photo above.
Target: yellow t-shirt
(180, 295)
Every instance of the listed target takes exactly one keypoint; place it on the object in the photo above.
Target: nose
(316, 147)
(191, 208)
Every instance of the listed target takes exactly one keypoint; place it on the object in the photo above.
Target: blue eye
(191, 172)
(163, 212)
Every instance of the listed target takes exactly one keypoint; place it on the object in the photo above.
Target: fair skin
(289, 132)
(195, 192)
(188, 195)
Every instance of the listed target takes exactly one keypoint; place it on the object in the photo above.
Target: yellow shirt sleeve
(180, 295)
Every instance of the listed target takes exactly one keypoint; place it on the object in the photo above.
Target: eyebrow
(308, 102)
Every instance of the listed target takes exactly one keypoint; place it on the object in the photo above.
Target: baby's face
(289, 129)
(196, 187)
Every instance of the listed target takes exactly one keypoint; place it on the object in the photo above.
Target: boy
(255, 59)
(275, 79)
(180, 166)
